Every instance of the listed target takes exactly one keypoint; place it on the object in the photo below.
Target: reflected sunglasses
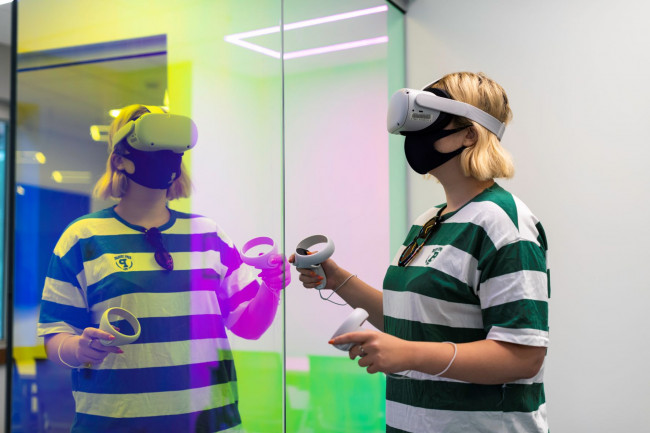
(416, 244)
(162, 256)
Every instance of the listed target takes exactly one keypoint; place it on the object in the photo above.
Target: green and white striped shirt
(482, 275)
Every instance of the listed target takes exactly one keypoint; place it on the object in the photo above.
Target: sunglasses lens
(408, 251)
(162, 256)
(416, 244)
(164, 259)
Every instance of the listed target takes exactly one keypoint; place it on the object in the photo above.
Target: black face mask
(422, 155)
(156, 170)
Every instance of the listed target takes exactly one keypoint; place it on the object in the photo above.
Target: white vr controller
(120, 339)
(261, 260)
(305, 259)
(351, 324)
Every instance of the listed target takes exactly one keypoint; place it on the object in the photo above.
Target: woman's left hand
(278, 276)
(378, 351)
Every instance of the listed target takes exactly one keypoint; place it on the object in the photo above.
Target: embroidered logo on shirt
(124, 262)
(433, 255)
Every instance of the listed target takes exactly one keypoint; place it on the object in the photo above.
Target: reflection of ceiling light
(336, 47)
(238, 38)
(99, 132)
(115, 112)
(20, 190)
(68, 176)
(30, 157)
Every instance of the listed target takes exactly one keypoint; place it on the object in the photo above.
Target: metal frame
(402, 5)
(9, 223)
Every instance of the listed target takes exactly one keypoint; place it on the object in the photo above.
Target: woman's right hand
(88, 349)
(310, 279)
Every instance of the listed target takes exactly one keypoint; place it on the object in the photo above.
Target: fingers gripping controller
(120, 339)
(308, 260)
(351, 324)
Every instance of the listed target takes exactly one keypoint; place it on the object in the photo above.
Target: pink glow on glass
(236, 38)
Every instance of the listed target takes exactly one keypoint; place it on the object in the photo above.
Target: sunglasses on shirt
(413, 248)
(162, 256)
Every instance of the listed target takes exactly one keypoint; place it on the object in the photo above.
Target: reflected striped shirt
(482, 275)
(179, 375)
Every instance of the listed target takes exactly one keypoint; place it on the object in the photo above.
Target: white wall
(576, 74)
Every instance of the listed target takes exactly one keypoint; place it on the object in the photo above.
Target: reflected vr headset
(158, 130)
(413, 110)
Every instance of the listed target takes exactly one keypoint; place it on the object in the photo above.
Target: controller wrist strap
(336, 290)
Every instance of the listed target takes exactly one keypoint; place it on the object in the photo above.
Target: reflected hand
(378, 351)
(90, 351)
(279, 276)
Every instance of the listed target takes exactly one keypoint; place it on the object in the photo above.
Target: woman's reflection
(178, 273)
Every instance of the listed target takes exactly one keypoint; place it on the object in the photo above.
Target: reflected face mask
(156, 170)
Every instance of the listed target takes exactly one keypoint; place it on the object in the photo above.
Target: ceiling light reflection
(237, 38)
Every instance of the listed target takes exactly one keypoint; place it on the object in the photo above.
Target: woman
(179, 274)
(463, 312)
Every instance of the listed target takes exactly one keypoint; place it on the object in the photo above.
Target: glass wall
(338, 180)
(291, 142)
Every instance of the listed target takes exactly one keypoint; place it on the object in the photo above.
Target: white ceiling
(5, 24)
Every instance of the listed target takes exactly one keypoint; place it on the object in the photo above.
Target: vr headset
(158, 130)
(413, 110)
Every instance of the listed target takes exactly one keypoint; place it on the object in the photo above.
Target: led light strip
(238, 38)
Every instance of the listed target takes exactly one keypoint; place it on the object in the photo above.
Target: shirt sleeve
(63, 305)
(514, 292)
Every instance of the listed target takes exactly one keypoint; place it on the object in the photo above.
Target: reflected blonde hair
(487, 159)
(113, 183)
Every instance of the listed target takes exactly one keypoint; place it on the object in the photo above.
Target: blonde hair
(113, 183)
(487, 159)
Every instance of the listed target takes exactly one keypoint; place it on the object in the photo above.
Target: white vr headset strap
(451, 106)
(130, 125)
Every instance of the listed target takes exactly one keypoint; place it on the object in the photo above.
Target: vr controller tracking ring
(305, 259)
(120, 339)
(351, 324)
(261, 261)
